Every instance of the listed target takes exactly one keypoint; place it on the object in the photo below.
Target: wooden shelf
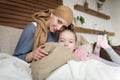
(91, 31)
(91, 12)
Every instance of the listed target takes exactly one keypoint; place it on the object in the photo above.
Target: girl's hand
(104, 44)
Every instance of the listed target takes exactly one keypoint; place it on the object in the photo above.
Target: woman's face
(56, 24)
(67, 39)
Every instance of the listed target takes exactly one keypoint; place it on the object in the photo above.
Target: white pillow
(81, 40)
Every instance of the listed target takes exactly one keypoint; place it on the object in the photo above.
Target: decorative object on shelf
(100, 4)
(79, 20)
(85, 5)
(91, 12)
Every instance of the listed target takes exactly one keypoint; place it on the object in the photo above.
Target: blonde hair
(65, 13)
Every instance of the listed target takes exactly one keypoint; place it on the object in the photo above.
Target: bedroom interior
(16, 14)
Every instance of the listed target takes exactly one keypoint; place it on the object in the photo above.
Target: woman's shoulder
(31, 27)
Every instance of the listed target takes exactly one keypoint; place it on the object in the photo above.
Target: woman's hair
(71, 27)
(70, 30)
(64, 12)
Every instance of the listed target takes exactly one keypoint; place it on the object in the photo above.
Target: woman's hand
(39, 53)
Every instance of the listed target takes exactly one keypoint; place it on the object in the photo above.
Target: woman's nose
(59, 27)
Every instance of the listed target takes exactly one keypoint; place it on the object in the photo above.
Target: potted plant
(79, 20)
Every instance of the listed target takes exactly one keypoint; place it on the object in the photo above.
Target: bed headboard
(17, 13)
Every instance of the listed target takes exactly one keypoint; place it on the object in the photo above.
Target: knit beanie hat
(64, 12)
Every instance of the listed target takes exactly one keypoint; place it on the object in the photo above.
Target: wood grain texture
(91, 31)
(18, 13)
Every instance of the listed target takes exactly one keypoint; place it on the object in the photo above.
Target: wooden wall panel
(18, 13)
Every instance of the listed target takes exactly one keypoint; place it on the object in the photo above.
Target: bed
(12, 24)
(13, 68)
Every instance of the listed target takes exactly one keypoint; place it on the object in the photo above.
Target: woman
(48, 23)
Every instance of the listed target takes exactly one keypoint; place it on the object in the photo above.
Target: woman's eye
(59, 22)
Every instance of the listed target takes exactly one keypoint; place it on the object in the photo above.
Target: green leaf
(78, 17)
(82, 20)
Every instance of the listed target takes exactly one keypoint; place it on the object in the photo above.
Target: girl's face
(56, 24)
(67, 39)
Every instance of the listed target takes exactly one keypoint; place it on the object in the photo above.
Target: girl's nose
(66, 44)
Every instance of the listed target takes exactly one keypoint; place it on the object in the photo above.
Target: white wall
(116, 20)
(92, 20)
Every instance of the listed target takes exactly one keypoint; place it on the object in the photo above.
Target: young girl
(63, 51)
(68, 38)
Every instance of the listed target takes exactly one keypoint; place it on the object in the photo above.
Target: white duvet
(12, 68)
(86, 70)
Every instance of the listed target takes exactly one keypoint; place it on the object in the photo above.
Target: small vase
(85, 5)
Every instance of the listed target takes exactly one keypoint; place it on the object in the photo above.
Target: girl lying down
(65, 50)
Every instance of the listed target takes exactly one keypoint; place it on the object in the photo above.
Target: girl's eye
(61, 41)
(70, 41)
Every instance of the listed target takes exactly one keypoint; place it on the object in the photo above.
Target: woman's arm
(25, 42)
